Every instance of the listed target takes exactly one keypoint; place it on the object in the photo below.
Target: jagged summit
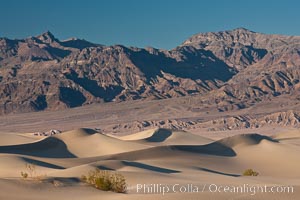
(47, 37)
(73, 42)
(241, 35)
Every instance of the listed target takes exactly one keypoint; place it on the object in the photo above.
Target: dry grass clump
(250, 172)
(30, 172)
(106, 180)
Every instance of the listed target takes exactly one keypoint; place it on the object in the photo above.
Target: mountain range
(232, 69)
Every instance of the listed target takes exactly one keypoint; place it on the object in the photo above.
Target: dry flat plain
(198, 165)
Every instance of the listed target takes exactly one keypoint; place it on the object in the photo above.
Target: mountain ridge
(44, 73)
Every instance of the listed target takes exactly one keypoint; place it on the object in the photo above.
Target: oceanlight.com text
(211, 188)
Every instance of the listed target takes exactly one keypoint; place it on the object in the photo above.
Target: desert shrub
(30, 172)
(24, 175)
(31, 169)
(105, 180)
(250, 172)
(118, 183)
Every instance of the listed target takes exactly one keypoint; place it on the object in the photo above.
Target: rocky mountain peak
(47, 37)
(229, 37)
(242, 29)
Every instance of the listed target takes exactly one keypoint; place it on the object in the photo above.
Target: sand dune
(89, 143)
(153, 156)
(166, 137)
(77, 143)
(50, 147)
(12, 139)
(245, 140)
(289, 134)
(12, 165)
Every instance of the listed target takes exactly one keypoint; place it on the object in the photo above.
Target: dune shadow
(88, 131)
(65, 181)
(149, 167)
(159, 135)
(42, 164)
(104, 168)
(249, 139)
(215, 148)
(217, 172)
(258, 138)
(50, 147)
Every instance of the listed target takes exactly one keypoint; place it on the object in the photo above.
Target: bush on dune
(31, 173)
(106, 181)
(30, 170)
(250, 172)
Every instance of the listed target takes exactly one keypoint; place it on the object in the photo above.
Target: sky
(157, 23)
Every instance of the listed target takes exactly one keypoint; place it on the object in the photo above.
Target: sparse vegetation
(106, 180)
(30, 172)
(31, 169)
(250, 172)
(24, 175)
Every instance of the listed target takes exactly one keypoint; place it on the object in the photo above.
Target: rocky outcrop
(283, 119)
